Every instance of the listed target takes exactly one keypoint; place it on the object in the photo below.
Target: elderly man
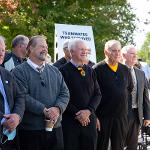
(18, 54)
(139, 105)
(64, 59)
(115, 84)
(79, 121)
(12, 104)
(47, 97)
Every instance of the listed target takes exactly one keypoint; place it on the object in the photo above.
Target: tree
(144, 53)
(110, 20)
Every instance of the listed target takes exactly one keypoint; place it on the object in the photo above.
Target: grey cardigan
(54, 92)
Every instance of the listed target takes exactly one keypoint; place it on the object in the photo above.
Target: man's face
(39, 52)
(114, 53)
(80, 52)
(23, 48)
(67, 53)
(131, 56)
(2, 52)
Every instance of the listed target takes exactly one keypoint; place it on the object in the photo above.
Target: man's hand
(52, 113)
(11, 121)
(98, 125)
(146, 123)
(83, 123)
(45, 111)
(83, 117)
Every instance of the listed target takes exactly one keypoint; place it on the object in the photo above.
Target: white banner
(65, 32)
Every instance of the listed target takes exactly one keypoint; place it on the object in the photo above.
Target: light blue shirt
(6, 106)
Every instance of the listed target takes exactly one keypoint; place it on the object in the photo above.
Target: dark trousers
(133, 131)
(10, 145)
(6, 146)
(41, 140)
(114, 129)
(77, 137)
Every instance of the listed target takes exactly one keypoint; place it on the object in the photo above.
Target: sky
(141, 9)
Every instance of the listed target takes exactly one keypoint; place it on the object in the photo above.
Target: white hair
(72, 44)
(126, 48)
(2, 39)
(110, 43)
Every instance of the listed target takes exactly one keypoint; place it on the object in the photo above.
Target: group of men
(89, 107)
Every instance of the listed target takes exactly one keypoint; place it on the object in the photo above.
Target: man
(46, 99)
(139, 105)
(64, 59)
(12, 104)
(115, 84)
(79, 121)
(18, 54)
(145, 67)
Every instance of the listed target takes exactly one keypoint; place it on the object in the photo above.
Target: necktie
(40, 69)
(134, 86)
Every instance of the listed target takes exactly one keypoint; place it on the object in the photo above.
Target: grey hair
(65, 45)
(19, 39)
(126, 48)
(2, 39)
(110, 43)
(72, 44)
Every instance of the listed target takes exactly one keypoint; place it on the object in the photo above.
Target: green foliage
(144, 53)
(110, 19)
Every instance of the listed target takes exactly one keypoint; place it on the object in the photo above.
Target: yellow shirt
(113, 68)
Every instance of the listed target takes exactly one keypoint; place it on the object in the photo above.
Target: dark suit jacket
(142, 96)
(14, 93)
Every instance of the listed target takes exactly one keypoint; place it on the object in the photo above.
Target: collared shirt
(35, 66)
(76, 65)
(6, 106)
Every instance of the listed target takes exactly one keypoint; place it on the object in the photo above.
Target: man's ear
(124, 55)
(31, 48)
(71, 52)
(106, 52)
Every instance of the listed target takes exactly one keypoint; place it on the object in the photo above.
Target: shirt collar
(33, 65)
(76, 65)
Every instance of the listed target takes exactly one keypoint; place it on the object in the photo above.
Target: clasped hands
(83, 117)
(52, 113)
